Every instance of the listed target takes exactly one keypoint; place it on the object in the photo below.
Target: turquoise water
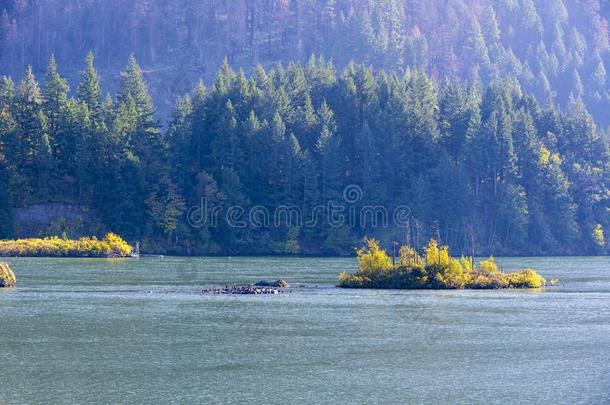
(133, 331)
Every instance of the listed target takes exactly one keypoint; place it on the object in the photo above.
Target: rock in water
(240, 290)
(270, 283)
(7, 277)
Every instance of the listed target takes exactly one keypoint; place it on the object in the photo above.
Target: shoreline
(253, 255)
(216, 290)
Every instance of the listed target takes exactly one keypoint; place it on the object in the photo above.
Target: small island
(435, 269)
(111, 245)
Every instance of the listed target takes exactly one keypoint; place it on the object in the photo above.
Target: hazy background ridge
(557, 49)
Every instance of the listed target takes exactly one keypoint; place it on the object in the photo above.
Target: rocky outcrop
(272, 283)
(7, 277)
(53, 219)
(240, 290)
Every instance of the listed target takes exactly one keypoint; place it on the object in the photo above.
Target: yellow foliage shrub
(117, 244)
(488, 275)
(372, 258)
(489, 266)
(436, 256)
(454, 275)
(598, 236)
(467, 263)
(7, 277)
(409, 256)
(488, 280)
(526, 278)
(111, 245)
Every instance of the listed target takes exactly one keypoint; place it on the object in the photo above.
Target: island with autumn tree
(435, 269)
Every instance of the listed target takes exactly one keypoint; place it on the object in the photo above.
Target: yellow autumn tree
(372, 258)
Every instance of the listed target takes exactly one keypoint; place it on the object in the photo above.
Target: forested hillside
(557, 49)
(483, 168)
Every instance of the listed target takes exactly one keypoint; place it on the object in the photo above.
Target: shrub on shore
(435, 270)
(111, 246)
(526, 278)
(7, 277)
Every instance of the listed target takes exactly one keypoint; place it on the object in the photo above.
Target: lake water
(132, 331)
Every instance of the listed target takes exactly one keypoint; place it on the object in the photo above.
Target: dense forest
(558, 50)
(487, 119)
(481, 167)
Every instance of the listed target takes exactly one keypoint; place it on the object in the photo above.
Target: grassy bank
(111, 246)
(435, 269)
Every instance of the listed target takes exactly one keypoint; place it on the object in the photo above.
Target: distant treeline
(481, 169)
